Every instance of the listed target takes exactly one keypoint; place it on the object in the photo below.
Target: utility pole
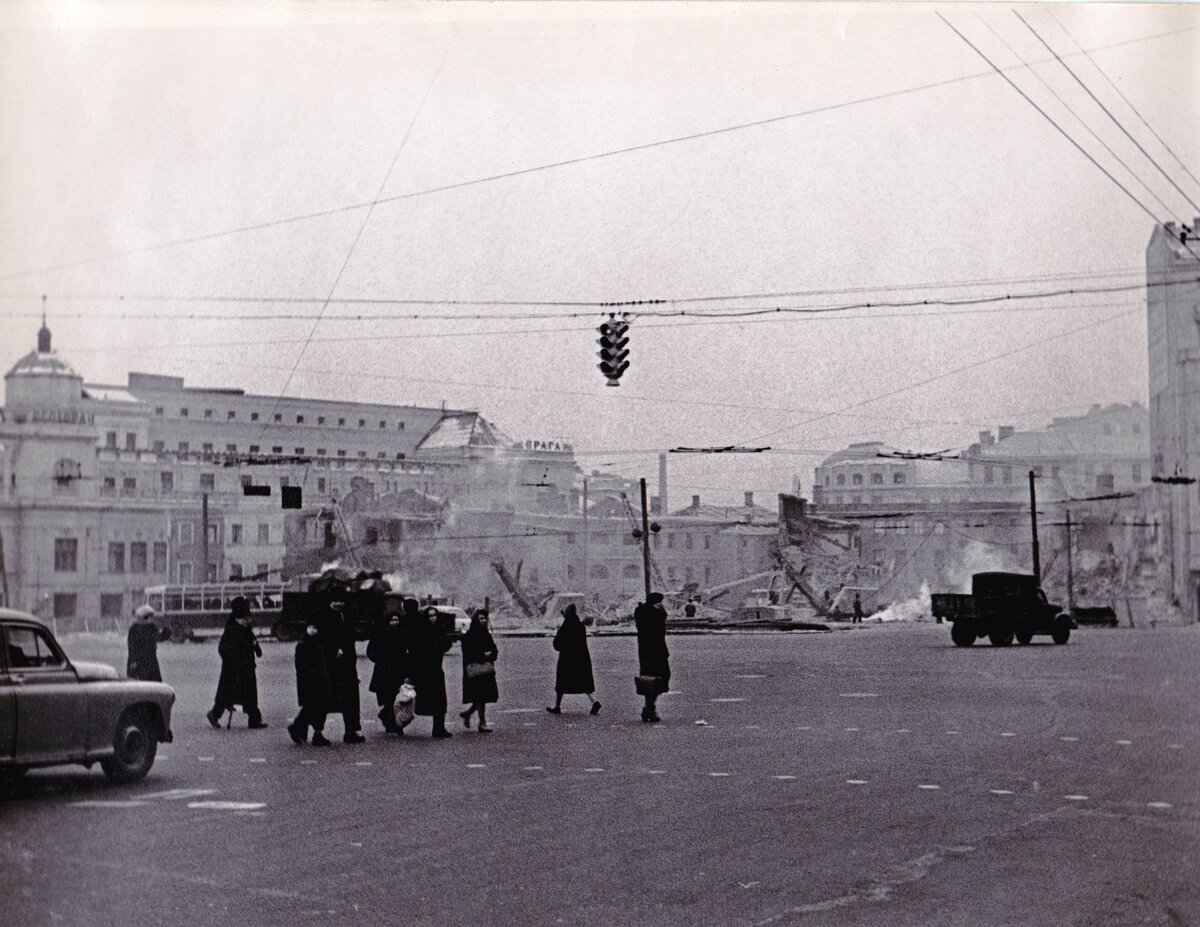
(645, 539)
(204, 536)
(587, 582)
(1070, 569)
(3, 575)
(1037, 557)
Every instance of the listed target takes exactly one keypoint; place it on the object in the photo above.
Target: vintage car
(54, 710)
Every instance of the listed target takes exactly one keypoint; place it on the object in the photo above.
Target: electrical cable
(1149, 157)
(259, 226)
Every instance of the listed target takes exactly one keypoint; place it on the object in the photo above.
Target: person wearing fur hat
(573, 674)
(144, 635)
(238, 683)
(654, 666)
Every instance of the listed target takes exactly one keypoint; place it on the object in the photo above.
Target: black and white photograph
(599, 463)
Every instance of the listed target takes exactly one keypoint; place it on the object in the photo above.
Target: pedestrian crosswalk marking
(594, 769)
(1069, 739)
(1075, 797)
(477, 766)
(727, 699)
(227, 805)
(1000, 791)
(258, 759)
(718, 775)
(308, 762)
(533, 768)
(929, 788)
(859, 694)
(363, 763)
(856, 782)
(1007, 734)
(176, 794)
(785, 778)
(1125, 743)
(205, 759)
(1158, 804)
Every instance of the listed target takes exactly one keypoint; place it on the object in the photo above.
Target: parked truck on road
(1001, 607)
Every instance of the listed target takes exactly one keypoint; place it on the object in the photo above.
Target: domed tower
(42, 380)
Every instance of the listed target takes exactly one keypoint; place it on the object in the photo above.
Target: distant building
(1173, 342)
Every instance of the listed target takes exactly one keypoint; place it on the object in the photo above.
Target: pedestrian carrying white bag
(405, 705)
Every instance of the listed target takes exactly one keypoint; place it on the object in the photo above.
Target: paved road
(876, 776)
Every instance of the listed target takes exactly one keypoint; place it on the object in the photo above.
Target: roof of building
(464, 430)
(42, 364)
(857, 452)
(109, 394)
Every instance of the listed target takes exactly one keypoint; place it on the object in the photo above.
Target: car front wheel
(134, 747)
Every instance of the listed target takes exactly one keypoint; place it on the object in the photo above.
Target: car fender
(108, 700)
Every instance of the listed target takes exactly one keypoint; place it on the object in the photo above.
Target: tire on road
(1001, 638)
(962, 635)
(1061, 633)
(135, 744)
(1024, 636)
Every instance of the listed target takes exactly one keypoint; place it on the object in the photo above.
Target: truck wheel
(1061, 632)
(961, 635)
(1001, 638)
(135, 743)
(1024, 637)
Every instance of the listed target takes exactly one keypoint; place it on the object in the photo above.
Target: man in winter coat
(342, 658)
(653, 657)
(314, 689)
(388, 650)
(238, 684)
(429, 644)
(144, 635)
(573, 675)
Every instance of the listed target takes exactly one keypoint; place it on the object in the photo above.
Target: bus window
(172, 601)
(155, 601)
(269, 601)
(192, 601)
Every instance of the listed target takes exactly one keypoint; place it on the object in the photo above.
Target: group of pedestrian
(406, 646)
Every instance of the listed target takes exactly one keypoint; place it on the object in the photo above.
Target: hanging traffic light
(614, 349)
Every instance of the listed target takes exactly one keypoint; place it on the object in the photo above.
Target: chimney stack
(695, 502)
(1004, 431)
(749, 499)
(985, 438)
(662, 484)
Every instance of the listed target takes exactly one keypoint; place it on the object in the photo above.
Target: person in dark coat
(238, 684)
(653, 657)
(388, 650)
(858, 612)
(144, 635)
(342, 658)
(314, 689)
(573, 675)
(429, 644)
(479, 650)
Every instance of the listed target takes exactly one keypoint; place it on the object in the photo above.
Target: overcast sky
(906, 165)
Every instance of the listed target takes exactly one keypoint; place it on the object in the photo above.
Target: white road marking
(534, 769)
(477, 766)
(164, 756)
(1007, 734)
(657, 772)
(856, 782)
(363, 763)
(1069, 740)
(702, 723)
(1175, 746)
(258, 759)
(929, 788)
(785, 778)
(205, 759)
(529, 724)
(753, 727)
(1158, 804)
(750, 676)
(228, 805)
(727, 699)
(804, 727)
(748, 884)
(859, 694)
(1125, 743)
(954, 733)
(1075, 797)
(175, 794)
(519, 711)
(719, 775)
(594, 769)
(355, 844)
(114, 803)
(308, 762)
(903, 730)
(1000, 792)
(851, 729)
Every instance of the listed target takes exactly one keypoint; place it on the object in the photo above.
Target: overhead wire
(1122, 95)
(505, 175)
(1149, 157)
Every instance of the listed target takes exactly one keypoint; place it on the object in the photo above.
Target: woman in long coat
(653, 656)
(429, 644)
(479, 650)
(144, 635)
(573, 675)
(314, 689)
(341, 655)
(388, 650)
(238, 684)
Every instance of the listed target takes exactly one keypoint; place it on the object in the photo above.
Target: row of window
(186, 532)
(687, 541)
(856, 479)
(634, 571)
(231, 415)
(143, 557)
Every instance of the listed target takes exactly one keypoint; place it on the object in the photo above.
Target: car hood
(94, 672)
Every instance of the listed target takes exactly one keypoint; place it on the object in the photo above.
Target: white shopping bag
(405, 705)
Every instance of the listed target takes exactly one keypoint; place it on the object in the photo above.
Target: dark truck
(1002, 606)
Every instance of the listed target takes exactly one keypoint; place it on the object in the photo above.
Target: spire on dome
(43, 343)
